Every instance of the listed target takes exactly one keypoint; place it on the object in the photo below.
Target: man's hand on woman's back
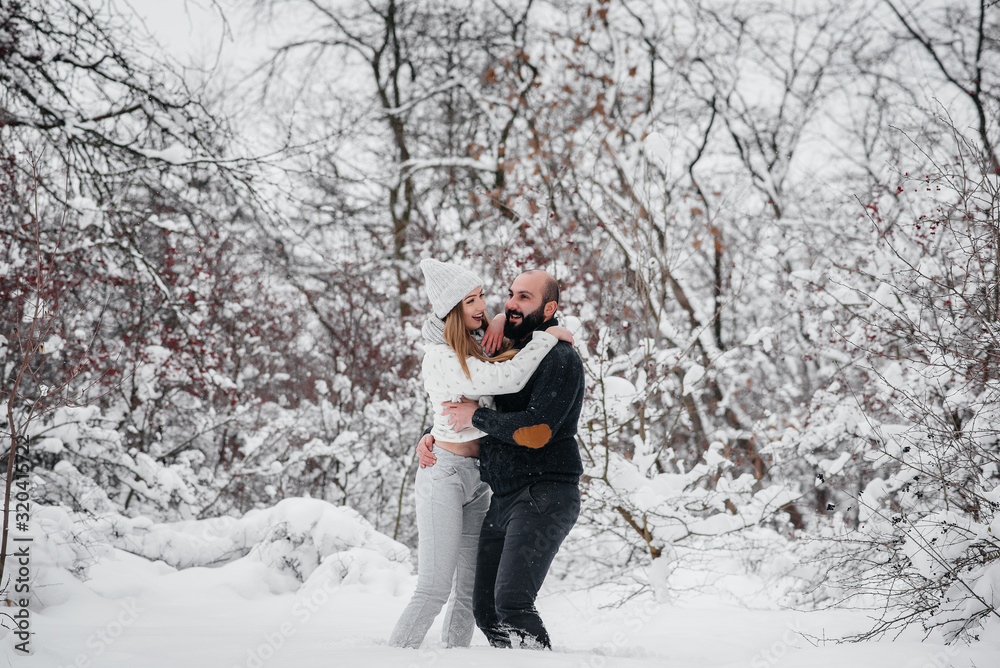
(424, 453)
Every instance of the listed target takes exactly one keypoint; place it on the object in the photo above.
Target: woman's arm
(493, 337)
(562, 334)
(494, 334)
(443, 372)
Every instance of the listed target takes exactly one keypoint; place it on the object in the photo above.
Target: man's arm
(552, 399)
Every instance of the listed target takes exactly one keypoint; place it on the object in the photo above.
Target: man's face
(524, 308)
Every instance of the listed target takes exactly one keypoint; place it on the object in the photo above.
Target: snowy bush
(301, 540)
(906, 436)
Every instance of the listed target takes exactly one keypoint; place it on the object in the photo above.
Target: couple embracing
(498, 485)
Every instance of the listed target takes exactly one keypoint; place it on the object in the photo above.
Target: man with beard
(532, 463)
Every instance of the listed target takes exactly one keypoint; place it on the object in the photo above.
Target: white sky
(218, 42)
(188, 28)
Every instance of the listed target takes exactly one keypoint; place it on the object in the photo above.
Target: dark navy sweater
(532, 434)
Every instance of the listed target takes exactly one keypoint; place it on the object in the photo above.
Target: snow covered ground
(278, 606)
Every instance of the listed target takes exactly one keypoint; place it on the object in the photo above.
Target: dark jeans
(520, 536)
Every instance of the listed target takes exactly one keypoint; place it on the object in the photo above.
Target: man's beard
(529, 323)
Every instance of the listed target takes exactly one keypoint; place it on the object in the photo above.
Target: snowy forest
(776, 225)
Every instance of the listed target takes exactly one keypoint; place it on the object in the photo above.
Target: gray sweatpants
(451, 503)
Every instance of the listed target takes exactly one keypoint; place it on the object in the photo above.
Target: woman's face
(473, 307)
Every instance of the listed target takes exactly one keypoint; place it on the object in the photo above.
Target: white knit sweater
(444, 380)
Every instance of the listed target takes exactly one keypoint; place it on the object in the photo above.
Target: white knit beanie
(446, 284)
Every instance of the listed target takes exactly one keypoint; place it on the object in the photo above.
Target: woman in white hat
(451, 498)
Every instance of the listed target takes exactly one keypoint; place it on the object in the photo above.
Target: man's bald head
(550, 288)
(533, 300)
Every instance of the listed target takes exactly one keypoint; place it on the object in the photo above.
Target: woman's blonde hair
(465, 345)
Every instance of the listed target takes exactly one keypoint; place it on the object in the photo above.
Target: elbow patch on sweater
(533, 437)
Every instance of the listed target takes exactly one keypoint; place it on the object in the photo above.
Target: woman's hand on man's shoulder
(561, 333)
